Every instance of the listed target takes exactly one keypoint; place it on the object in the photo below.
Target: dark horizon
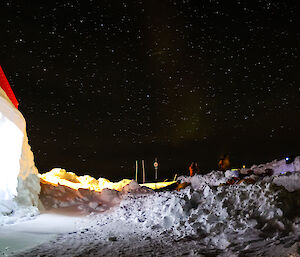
(102, 84)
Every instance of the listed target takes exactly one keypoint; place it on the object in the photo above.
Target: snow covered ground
(204, 219)
(34, 231)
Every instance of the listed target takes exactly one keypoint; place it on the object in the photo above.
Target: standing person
(224, 163)
(194, 168)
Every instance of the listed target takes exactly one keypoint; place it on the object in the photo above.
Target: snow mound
(66, 192)
(19, 183)
(211, 213)
(218, 216)
(134, 188)
(279, 167)
(68, 200)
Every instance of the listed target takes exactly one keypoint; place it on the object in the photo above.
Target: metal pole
(136, 171)
(144, 174)
(156, 168)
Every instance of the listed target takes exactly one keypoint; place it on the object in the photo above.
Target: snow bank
(64, 199)
(279, 167)
(19, 183)
(218, 216)
(66, 192)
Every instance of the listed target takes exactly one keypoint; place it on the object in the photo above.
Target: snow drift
(244, 218)
(19, 183)
(218, 215)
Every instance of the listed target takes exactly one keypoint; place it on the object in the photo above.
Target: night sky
(103, 83)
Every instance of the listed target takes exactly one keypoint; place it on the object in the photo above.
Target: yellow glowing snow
(59, 176)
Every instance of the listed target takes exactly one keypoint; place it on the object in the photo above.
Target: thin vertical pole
(144, 174)
(156, 168)
(136, 171)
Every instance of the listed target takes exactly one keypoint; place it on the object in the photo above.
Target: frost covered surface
(204, 219)
(19, 183)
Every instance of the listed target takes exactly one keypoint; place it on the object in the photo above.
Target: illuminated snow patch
(11, 139)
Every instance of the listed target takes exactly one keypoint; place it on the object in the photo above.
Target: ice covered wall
(19, 183)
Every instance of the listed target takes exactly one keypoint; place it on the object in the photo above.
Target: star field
(103, 83)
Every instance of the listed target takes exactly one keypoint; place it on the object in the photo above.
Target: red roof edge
(7, 89)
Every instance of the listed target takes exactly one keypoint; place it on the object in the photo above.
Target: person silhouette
(224, 163)
(194, 168)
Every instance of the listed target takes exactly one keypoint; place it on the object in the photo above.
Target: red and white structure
(19, 181)
(4, 84)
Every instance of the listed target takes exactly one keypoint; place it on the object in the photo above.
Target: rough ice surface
(19, 183)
